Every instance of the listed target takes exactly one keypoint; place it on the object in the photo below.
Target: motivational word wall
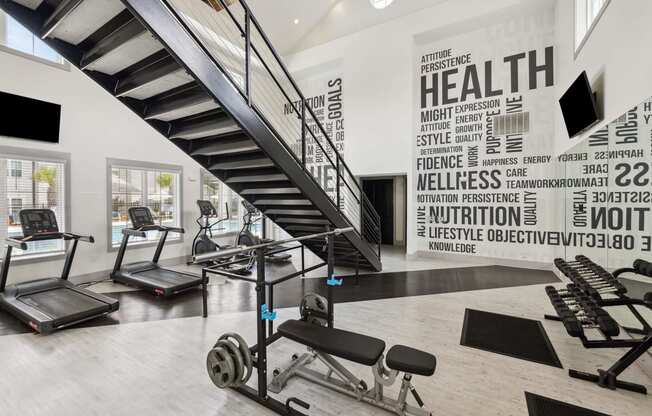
(610, 218)
(325, 96)
(487, 180)
(483, 142)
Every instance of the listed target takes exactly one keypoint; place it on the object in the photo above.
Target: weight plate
(314, 302)
(244, 351)
(221, 368)
(238, 361)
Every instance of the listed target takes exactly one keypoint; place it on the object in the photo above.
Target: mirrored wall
(608, 197)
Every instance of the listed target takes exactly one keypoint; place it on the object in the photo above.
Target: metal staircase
(204, 74)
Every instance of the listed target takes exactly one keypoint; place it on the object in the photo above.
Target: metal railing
(229, 32)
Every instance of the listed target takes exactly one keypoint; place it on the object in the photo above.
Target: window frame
(64, 64)
(13, 169)
(11, 152)
(226, 233)
(577, 47)
(112, 163)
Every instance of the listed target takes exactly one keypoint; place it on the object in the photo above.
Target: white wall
(95, 126)
(377, 68)
(377, 64)
(616, 58)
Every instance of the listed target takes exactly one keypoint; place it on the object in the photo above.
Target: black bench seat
(411, 361)
(350, 346)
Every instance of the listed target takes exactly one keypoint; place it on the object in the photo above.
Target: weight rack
(265, 309)
(580, 306)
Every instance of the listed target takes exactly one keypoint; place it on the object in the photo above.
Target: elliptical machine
(247, 238)
(204, 243)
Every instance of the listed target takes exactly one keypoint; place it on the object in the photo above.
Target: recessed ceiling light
(380, 4)
(296, 21)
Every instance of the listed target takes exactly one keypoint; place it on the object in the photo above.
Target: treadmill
(51, 303)
(149, 275)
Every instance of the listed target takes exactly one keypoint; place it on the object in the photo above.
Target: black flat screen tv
(27, 118)
(578, 106)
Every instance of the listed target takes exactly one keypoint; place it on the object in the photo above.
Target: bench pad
(343, 344)
(411, 361)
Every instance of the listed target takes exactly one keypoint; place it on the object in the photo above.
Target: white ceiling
(323, 20)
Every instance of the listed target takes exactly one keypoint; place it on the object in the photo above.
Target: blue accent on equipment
(334, 282)
(267, 315)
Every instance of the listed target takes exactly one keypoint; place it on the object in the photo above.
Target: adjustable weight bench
(323, 343)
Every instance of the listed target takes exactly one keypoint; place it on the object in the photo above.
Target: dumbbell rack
(580, 306)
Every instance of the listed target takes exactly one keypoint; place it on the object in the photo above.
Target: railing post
(303, 132)
(248, 55)
(331, 274)
(337, 162)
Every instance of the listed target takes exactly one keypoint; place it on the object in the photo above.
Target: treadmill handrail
(133, 232)
(55, 235)
(84, 238)
(16, 243)
(177, 230)
(140, 231)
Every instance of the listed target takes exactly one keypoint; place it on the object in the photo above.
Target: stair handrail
(365, 206)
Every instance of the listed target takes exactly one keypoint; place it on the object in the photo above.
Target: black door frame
(363, 178)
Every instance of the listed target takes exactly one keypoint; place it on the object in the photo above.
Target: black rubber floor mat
(508, 335)
(543, 406)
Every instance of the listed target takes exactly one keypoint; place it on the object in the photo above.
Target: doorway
(388, 197)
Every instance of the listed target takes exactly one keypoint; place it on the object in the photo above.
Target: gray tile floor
(157, 368)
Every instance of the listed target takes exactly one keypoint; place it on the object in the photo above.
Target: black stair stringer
(169, 30)
(191, 56)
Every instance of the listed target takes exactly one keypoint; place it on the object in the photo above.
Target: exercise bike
(248, 239)
(203, 242)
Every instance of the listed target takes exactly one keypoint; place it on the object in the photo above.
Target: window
(220, 195)
(28, 181)
(136, 184)
(17, 38)
(15, 169)
(15, 206)
(587, 14)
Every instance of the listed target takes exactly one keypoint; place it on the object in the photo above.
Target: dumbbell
(598, 283)
(643, 267)
(589, 272)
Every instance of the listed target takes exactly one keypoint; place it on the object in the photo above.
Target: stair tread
(151, 76)
(258, 162)
(270, 191)
(257, 178)
(296, 212)
(202, 125)
(120, 49)
(181, 102)
(307, 221)
(225, 147)
(283, 202)
(73, 21)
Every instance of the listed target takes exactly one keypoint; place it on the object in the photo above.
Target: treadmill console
(38, 221)
(206, 208)
(141, 217)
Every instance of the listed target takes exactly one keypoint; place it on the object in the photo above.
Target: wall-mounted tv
(27, 118)
(578, 106)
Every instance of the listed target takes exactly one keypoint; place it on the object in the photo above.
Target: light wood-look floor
(157, 368)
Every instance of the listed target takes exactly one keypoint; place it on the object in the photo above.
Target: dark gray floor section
(238, 296)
